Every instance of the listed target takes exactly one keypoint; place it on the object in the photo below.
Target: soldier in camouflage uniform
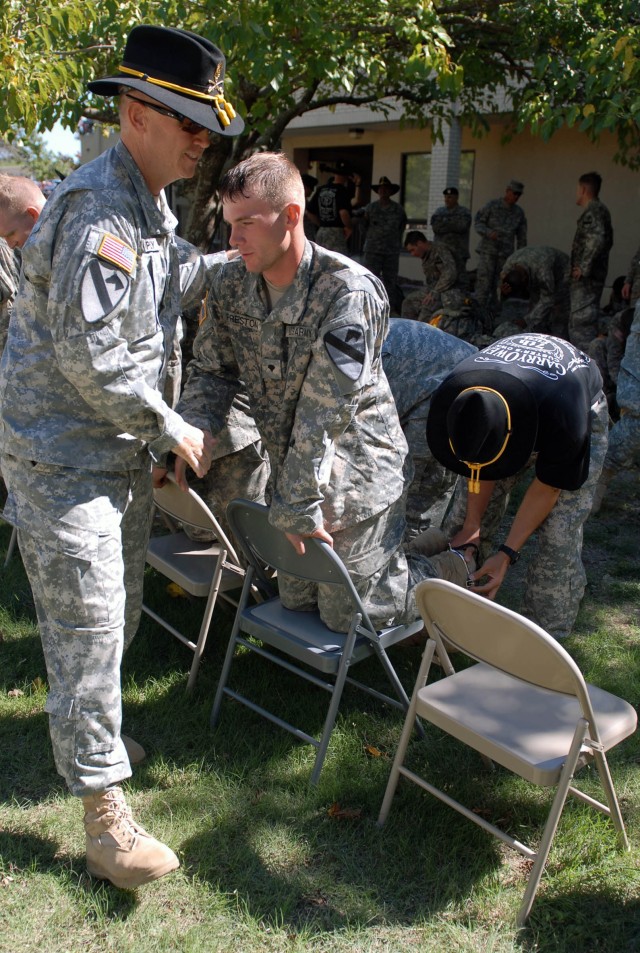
(451, 224)
(502, 225)
(592, 243)
(82, 413)
(440, 277)
(21, 202)
(624, 437)
(631, 286)
(416, 358)
(386, 222)
(528, 394)
(540, 274)
(8, 287)
(300, 329)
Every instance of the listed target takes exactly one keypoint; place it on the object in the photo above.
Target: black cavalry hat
(392, 186)
(482, 424)
(179, 69)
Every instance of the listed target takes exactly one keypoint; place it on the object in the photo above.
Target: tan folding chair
(525, 705)
(203, 569)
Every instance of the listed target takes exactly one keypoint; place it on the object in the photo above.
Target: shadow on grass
(592, 920)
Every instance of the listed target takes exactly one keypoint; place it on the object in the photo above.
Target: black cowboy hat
(179, 69)
(393, 187)
(482, 424)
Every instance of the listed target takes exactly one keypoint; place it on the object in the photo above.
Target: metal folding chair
(203, 569)
(302, 638)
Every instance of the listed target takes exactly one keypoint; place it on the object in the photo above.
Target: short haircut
(413, 237)
(593, 181)
(271, 176)
(17, 193)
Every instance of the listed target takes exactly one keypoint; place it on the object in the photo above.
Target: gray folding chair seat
(302, 636)
(524, 705)
(207, 570)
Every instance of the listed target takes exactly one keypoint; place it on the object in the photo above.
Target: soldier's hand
(195, 449)
(297, 541)
(158, 477)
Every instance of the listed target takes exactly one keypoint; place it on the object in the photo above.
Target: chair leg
(228, 659)
(336, 695)
(552, 821)
(11, 547)
(206, 621)
(614, 807)
(407, 728)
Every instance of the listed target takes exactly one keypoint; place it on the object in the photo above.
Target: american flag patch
(117, 252)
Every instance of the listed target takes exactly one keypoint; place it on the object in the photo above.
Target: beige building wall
(550, 171)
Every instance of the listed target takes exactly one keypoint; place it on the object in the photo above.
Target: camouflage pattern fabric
(416, 358)
(624, 438)
(556, 579)
(592, 243)
(549, 273)
(451, 227)
(385, 228)
(83, 535)
(8, 288)
(82, 416)
(510, 223)
(441, 277)
(633, 278)
(311, 371)
(333, 239)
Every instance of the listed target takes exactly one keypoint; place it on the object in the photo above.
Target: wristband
(513, 554)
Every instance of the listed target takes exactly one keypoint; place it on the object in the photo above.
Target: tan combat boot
(118, 849)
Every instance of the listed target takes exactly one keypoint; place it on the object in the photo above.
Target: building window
(416, 177)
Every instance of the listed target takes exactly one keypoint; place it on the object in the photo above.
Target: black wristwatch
(513, 554)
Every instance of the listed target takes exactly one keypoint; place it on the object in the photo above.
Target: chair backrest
(263, 544)
(191, 509)
(500, 637)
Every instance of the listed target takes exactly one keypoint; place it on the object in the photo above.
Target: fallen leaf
(176, 591)
(15, 693)
(344, 813)
(373, 751)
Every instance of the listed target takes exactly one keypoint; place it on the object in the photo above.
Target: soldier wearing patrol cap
(451, 224)
(502, 225)
(82, 414)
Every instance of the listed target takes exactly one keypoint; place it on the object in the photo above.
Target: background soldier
(386, 222)
(451, 224)
(502, 226)
(539, 274)
(592, 243)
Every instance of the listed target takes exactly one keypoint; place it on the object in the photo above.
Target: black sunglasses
(187, 125)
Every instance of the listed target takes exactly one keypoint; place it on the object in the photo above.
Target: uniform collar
(159, 217)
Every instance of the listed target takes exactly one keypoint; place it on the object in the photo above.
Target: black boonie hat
(179, 69)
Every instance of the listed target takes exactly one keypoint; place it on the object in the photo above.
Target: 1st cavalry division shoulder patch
(107, 278)
(347, 349)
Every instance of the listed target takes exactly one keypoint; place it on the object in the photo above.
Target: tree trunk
(200, 192)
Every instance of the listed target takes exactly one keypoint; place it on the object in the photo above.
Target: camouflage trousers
(490, 262)
(333, 239)
(83, 539)
(584, 316)
(243, 474)
(556, 579)
(624, 443)
(384, 264)
(384, 573)
(430, 490)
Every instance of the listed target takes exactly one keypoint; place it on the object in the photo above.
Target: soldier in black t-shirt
(330, 210)
(527, 400)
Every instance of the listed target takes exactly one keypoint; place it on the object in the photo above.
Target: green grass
(265, 866)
